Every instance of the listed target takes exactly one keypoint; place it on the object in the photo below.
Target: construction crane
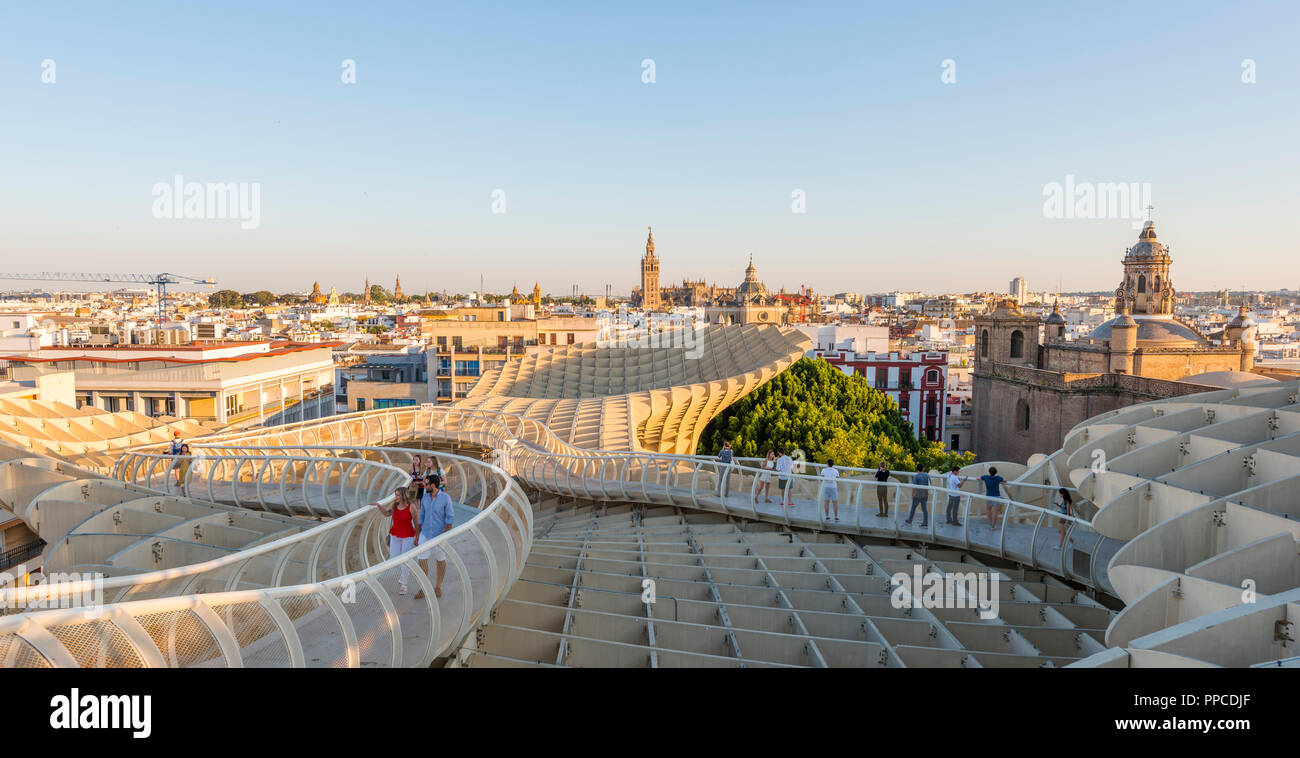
(159, 281)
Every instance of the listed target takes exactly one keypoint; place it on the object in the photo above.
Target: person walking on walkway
(1064, 503)
(920, 497)
(993, 488)
(955, 481)
(417, 477)
(401, 532)
(882, 491)
(765, 479)
(725, 456)
(784, 469)
(437, 515)
(830, 489)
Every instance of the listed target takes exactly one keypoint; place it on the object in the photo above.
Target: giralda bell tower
(650, 295)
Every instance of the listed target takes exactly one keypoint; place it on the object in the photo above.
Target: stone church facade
(1031, 386)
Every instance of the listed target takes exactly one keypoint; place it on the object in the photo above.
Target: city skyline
(909, 181)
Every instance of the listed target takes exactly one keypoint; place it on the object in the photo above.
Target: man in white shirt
(955, 481)
(830, 490)
(784, 466)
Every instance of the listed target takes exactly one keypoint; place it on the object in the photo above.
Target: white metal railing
(528, 449)
(325, 596)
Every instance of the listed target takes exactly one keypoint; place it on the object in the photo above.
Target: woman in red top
(402, 531)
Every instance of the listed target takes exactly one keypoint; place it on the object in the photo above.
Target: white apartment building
(227, 382)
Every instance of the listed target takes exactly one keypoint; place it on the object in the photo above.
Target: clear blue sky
(911, 183)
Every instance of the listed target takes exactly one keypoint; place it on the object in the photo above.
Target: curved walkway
(325, 595)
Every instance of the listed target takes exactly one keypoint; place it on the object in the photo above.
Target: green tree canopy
(261, 298)
(817, 408)
(225, 299)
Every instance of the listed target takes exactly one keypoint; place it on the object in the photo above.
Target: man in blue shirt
(437, 515)
(993, 488)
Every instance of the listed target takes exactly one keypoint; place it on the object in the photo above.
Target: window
(932, 377)
(392, 402)
(570, 338)
(552, 338)
(232, 404)
(984, 343)
(1022, 416)
(1017, 344)
(1142, 283)
(466, 368)
(361, 403)
(955, 443)
(501, 315)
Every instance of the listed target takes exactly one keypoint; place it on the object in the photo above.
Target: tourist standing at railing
(882, 491)
(993, 488)
(401, 533)
(1065, 504)
(176, 445)
(830, 489)
(920, 497)
(437, 515)
(784, 467)
(765, 479)
(725, 456)
(955, 481)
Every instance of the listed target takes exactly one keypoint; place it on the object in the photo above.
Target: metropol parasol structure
(588, 534)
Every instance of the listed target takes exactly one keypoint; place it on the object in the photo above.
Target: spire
(650, 242)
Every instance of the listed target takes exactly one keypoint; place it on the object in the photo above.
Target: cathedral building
(749, 303)
(1030, 385)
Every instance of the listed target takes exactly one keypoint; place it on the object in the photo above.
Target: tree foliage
(261, 298)
(816, 408)
(225, 299)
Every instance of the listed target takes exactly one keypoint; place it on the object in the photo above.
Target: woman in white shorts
(830, 491)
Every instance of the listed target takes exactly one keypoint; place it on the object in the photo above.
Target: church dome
(1153, 331)
(1147, 245)
(1055, 317)
(751, 288)
(1243, 319)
